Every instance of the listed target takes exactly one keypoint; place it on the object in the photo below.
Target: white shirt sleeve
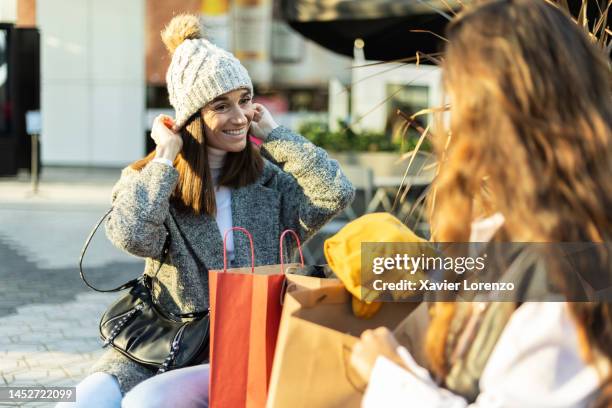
(391, 386)
(536, 363)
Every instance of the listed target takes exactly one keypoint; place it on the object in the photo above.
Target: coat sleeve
(536, 363)
(313, 187)
(140, 201)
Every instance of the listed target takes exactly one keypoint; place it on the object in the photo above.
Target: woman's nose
(241, 116)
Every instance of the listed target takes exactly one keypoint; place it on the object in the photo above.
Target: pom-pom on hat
(199, 71)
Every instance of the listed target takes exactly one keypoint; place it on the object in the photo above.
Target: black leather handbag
(138, 328)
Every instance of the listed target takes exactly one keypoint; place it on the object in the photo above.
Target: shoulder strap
(129, 283)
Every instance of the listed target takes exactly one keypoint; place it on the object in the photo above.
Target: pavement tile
(5, 342)
(80, 334)
(42, 337)
(28, 347)
(51, 323)
(55, 373)
(12, 330)
(16, 320)
(78, 369)
(74, 372)
(33, 374)
(30, 309)
(77, 372)
(17, 357)
(64, 382)
(88, 330)
(75, 349)
(48, 317)
(20, 361)
(53, 358)
(9, 366)
(14, 370)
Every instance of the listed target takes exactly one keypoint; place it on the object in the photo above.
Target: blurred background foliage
(345, 139)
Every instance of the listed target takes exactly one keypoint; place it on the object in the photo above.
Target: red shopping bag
(245, 311)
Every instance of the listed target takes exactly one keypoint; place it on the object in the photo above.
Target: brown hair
(531, 115)
(194, 191)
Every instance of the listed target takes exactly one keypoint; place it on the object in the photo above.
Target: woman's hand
(263, 123)
(167, 138)
(373, 343)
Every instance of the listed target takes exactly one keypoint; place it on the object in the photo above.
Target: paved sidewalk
(48, 317)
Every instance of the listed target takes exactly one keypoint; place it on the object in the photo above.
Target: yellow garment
(344, 256)
(364, 310)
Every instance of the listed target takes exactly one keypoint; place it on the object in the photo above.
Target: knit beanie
(199, 71)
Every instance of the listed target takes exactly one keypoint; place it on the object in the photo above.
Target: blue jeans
(97, 390)
(182, 388)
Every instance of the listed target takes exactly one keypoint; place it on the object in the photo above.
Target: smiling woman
(227, 119)
(216, 132)
(203, 178)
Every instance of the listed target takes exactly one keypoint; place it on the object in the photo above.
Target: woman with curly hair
(531, 142)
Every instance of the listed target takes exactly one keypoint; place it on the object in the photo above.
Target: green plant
(346, 139)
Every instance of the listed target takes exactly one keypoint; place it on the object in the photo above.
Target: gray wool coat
(301, 188)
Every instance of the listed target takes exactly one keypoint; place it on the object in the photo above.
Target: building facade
(103, 72)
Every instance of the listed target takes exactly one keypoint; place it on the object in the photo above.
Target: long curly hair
(530, 136)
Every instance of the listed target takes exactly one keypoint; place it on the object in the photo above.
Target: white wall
(312, 64)
(369, 89)
(8, 11)
(92, 81)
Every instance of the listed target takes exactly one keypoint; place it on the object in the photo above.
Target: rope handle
(248, 234)
(299, 245)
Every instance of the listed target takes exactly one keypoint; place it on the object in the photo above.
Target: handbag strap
(145, 279)
(130, 283)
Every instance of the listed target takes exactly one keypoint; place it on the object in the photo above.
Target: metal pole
(34, 168)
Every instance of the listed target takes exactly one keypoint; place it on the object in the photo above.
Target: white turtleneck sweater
(223, 196)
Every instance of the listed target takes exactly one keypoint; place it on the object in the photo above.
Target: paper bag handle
(351, 376)
(248, 234)
(282, 253)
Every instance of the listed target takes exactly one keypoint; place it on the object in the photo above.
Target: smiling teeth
(234, 132)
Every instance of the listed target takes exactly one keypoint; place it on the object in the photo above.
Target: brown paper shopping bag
(316, 335)
(300, 282)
